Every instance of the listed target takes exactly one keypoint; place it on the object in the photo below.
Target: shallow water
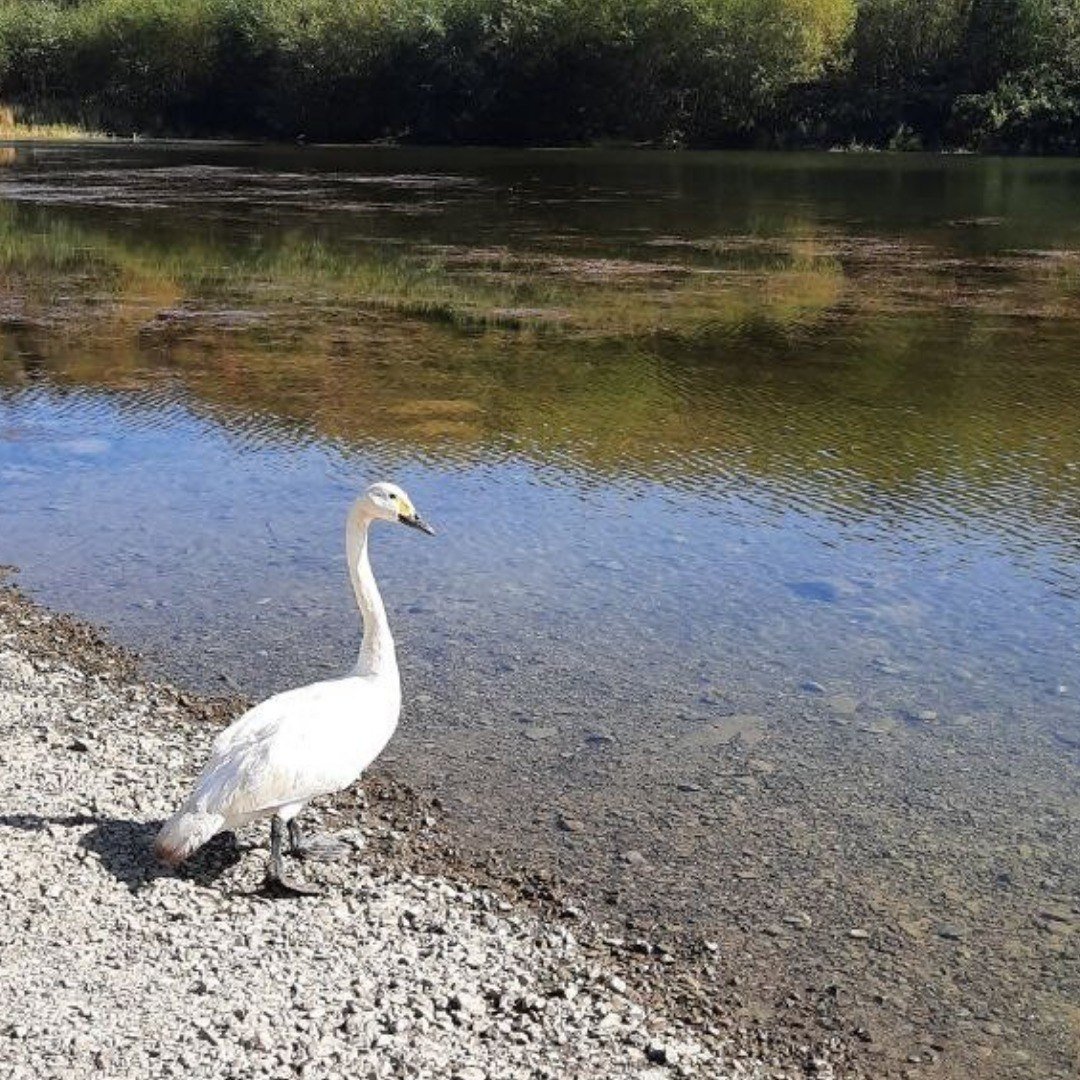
(739, 462)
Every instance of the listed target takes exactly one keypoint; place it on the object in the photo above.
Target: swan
(309, 741)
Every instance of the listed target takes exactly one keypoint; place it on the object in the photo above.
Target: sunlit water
(793, 438)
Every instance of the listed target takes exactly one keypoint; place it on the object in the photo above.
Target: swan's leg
(316, 848)
(276, 881)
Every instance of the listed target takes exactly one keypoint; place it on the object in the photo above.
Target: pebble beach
(112, 965)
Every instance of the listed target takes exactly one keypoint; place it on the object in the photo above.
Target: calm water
(730, 454)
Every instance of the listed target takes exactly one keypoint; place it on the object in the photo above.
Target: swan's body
(310, 741)
(297, 745)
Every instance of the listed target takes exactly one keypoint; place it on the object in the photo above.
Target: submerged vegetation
(989, 74)
(677, 379)
(361, 322)
(468, 288)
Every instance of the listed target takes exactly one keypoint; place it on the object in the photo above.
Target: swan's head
(390, 503)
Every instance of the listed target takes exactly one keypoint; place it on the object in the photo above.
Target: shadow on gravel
(125, 848)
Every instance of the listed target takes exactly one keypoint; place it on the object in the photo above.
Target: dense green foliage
(988, 73)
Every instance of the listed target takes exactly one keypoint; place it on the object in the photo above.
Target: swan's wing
(296, 745)
(264, 719)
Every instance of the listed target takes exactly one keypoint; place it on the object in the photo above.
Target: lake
(753, 612)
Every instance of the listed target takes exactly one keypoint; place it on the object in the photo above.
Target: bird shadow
(125, 848)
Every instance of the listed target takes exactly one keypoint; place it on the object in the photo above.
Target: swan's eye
(393, 496)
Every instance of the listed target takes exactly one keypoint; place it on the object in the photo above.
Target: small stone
(858, 934)
(843, 704)
(608, 1022)
(878, 727)
(262, 1040)
(469, 1004)
(537, 734)
(656, 1052)
(599, 738)
(949, 932)
(822, 591)
(570, 824)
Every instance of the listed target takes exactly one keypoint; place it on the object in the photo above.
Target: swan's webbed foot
(316, 848)
(277, 886)
(277, 883)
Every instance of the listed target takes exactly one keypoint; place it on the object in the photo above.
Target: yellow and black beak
(415, 521)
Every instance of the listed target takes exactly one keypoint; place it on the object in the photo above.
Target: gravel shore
(112, 966)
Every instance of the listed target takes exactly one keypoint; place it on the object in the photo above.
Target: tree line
(980, 74)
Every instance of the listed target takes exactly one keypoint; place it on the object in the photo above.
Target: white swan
(306, 742)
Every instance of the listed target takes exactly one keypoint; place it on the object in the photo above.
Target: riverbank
(399, 968)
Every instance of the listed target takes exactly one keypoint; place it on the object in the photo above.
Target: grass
(11, 127)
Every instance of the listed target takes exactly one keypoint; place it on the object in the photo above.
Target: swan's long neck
(377, 655)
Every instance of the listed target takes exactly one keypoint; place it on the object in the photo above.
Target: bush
(1000, 73)
(492, 70)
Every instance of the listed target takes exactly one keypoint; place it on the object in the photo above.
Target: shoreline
(638, 1008)
(98, 138)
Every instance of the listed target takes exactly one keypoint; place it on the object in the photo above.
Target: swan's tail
(184, 833)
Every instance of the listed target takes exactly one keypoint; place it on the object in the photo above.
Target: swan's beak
(415, 521)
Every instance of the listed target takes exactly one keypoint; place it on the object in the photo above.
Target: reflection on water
(787, 439)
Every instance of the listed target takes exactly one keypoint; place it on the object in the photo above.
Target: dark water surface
(754, 606)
